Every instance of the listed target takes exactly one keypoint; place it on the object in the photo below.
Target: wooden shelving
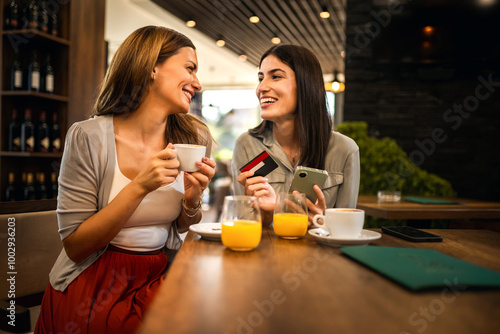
(77, 52)
(20, 44)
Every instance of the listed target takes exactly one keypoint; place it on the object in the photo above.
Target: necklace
(294, 157)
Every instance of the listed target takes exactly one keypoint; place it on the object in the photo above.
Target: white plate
(323, 238)
(209, 231)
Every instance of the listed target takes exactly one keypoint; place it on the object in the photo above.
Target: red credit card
(261, 165)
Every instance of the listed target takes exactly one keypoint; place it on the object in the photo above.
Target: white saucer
(322, 237)
(209, 231)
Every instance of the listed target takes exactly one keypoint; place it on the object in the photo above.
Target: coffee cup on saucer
(188, 155)
(342, 223)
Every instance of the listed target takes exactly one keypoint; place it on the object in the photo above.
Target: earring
(153, 76)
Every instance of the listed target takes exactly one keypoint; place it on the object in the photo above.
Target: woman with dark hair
(122, 199)
(296, 130)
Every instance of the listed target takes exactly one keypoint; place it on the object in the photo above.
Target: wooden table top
(298, 286)
(467, 209)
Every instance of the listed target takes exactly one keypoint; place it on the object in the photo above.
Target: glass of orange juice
(290, 215)
(241, 223)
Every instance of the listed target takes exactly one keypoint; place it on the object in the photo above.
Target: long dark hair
(129, 77)
(315, 124)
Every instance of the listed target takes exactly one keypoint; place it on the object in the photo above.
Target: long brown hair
(315, 124)
(129, 77)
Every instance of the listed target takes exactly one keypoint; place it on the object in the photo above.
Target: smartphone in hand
(304, 180)
(411, 234)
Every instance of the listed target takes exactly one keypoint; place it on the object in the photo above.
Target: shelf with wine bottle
(34, 95)
(55, 34)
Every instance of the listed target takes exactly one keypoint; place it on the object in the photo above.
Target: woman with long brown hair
(296, 130)
(121, 197)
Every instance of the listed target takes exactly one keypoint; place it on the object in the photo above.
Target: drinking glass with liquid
(241, 223)
(290, 218)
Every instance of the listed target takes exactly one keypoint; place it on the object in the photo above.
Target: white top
(85, 178)
(147, 228)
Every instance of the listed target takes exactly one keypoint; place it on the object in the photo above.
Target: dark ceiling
(293, 21)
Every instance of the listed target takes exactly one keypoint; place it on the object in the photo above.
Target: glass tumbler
(241, 223)
(290, 216)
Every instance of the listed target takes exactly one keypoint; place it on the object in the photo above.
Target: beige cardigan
(85, 179)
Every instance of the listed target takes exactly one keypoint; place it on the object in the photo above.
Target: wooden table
(298, 286)
(467, 209)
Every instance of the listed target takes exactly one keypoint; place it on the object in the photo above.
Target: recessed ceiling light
(275, 40)
(220, 42)
(242, 57)
(254, 19)
(190, 23)
(324, 13)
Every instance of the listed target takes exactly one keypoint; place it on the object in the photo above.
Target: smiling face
(175, 80)
(277, 90)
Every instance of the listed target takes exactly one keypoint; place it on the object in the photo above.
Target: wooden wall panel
(87, 56)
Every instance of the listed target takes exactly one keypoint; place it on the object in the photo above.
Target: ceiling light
(242, 57)
(324, 13)
(190, 23)
(337, 85)
(342, 54)
(486, 3)
(220, 42)
(254, 19)
(275, 40)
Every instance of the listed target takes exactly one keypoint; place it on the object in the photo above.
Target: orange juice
(241, 234)
(290, 225)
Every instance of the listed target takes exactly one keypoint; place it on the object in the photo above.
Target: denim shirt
(341, 162)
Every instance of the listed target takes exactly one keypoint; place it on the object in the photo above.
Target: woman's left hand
(317, 208)
(196, 182)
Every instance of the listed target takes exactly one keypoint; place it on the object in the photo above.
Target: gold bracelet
(195, 209)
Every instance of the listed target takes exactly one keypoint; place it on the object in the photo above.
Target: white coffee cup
(188, 155)
(342, 223)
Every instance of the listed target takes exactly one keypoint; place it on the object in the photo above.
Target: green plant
(385, 166)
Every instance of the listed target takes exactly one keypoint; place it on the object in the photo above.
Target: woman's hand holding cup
(160, 170)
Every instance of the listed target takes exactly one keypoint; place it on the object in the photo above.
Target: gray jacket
(85, 179)
(342, 163)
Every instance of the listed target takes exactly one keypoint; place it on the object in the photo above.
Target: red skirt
(110, 296)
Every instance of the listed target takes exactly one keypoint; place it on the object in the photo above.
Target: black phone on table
(411, 234)
(304, 180)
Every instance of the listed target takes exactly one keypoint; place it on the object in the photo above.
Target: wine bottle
(40, 188)
(27, 133)
(16, 74)
(48, 76)
(43, 17)
(55, 134)
(23, 184)
(23, 18)
(32, 15)
(12, 15)
(53, 24)
(10, 191)
(42, 141)
(34, 73)
(53, 185)
(29, 193)
(14, 141)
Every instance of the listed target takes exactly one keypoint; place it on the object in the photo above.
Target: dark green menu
(426, 200)
(419, 269)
